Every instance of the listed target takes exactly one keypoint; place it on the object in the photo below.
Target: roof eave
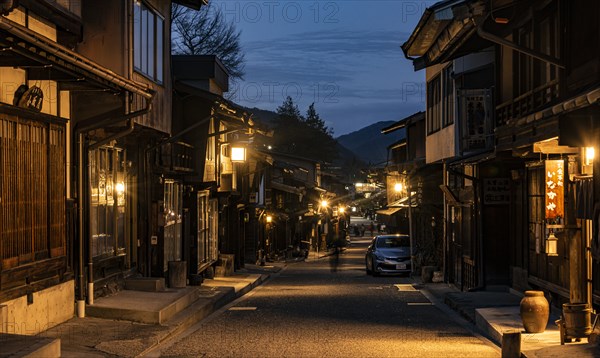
(192, 4)
(441, 28)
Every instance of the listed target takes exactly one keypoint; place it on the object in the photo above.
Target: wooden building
(74, 150)
(217, 186)
(294, 194)
(545, 99)
(414, 201)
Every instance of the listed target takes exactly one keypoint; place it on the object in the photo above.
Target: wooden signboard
(555, 190)
(496, 191)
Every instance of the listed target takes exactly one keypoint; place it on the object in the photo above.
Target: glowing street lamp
(269, 218)
(324, 203)
(398, 187)
(589, 155)
(238, 154)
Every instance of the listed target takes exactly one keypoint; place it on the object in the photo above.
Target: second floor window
(533, 77)
(440, 101)
(148, 39)
(434, 93)
(448, 97)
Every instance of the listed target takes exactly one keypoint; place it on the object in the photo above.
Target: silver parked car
(388, 254)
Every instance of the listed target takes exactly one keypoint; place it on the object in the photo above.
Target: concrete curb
(457, 317)
(190, 316)
(201, 309)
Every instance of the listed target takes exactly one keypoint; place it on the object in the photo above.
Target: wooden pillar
(511, 344)
(576, 249)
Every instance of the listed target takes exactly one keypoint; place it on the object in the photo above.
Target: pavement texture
(495, 312)
(121, 330)
(490, 312)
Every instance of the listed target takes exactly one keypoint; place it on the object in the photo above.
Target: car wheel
(375, 273)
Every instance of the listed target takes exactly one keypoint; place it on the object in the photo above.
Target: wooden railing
(527, 103)
(178, 156)
(469, 272)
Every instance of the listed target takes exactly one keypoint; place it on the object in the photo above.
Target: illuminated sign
(555, 190)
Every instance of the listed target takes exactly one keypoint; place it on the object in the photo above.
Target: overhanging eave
(442, 30)
(27, 48)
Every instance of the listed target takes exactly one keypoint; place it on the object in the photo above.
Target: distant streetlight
(324, 203)
(269, 218)
(398, 187)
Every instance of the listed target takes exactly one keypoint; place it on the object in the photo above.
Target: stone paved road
(309, 311)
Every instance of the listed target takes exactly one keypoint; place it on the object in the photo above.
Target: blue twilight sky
(342, 55)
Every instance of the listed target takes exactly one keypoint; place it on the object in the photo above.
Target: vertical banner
(555, 190)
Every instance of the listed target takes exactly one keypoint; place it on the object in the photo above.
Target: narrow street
(177, 178)
(309, 311)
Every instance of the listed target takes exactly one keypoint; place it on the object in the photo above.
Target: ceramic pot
(535, 311)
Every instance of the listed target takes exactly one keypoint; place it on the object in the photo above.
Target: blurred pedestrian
(334, 258)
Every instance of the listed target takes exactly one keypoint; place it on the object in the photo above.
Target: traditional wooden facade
(294, 191)
(547, 102)
(217, 194)
(414, 201)
(460, 136)
(134, 213)
(75, 149)
(544, 105)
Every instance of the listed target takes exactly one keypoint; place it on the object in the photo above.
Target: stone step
(16, 345)
(144, 307)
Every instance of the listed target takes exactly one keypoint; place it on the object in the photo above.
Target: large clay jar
(535, 311)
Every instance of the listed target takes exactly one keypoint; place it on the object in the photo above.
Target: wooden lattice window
(32, 191)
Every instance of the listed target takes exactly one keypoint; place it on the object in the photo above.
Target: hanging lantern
(552, 245)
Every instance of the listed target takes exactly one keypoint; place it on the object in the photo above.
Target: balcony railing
(527, 103)
(178, 156)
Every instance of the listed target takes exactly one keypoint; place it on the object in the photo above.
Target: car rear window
(392, 241)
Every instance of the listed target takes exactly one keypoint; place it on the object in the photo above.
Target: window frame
(150, 65)
(434, 91)
(447, 95)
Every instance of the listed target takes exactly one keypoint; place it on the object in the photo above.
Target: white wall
(473, 61)
(10, 79)
(50, 307)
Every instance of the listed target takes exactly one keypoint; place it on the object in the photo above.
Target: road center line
(242, 308)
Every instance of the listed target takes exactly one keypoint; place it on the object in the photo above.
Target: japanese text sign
(496, 191)
(555, 190)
